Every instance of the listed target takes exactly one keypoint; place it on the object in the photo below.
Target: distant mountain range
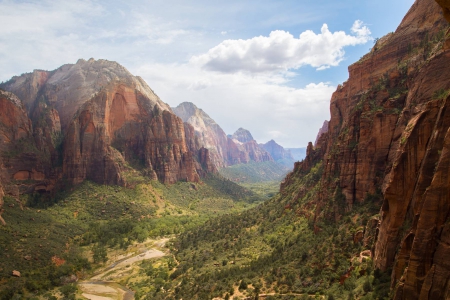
(228, 150)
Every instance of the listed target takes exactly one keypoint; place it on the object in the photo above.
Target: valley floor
(105, 284)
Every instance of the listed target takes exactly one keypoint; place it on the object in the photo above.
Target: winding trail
(102, 287)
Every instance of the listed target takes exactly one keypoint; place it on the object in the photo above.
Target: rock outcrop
(389, 139)
(249, 149)
(224, 150)
(445, 5)
(242, 135)
(96, 120)
(25, 156)
(209, 133)
(276, 151)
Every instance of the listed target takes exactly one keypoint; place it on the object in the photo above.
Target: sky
(269, 66)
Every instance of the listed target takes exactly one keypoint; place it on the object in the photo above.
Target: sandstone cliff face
(210, 134)
(445, 5)
(15, 124)
(256, 152)
(249, 148)
(242, 135)
(108, 119)
(388, 139)
(223, 150)
(276, 151)
(67, 88)
(21, 160)
(204, 163)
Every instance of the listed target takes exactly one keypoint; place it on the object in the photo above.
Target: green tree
(99, 253)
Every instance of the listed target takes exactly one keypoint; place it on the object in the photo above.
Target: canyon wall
(224, 150)
(388, 140)
(94, 120)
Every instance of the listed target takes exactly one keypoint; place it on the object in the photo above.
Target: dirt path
(102, 286)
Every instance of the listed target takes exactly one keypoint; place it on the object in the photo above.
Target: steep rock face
(223, 150)
(445, 5)
(248, 147)
(322, 130)
(67, 88)
(210, 134)
(255, 152)
(107, 116)
(204, 164)
(14, 122)
(276, 151)
(388, 140)
(119, 122)
(242, 135)
(21, 160)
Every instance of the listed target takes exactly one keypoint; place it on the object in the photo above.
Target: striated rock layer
(389, 138)
(26, 153)
(224, 151)
(210, 135)
(97, 120)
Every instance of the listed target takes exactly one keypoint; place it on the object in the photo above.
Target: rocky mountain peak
(188, 110)
(70, 86)
(243, 135)
(106, 116)
(388, 141)
(277, 151)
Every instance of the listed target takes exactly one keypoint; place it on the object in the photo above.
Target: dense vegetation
(257, 171)
(278, 249)
(51, 238)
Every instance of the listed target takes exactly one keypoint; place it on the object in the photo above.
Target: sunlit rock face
(108, 117)
(224, 151)
(389, 135)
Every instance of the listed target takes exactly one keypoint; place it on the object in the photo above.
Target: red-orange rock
(445, 5)
(107, 117)
(388, 139)
(224, 151)
(15, 123)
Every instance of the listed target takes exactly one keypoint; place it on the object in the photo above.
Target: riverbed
(103, 285)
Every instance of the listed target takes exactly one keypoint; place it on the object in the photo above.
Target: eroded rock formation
(209, 133)
(388, 139)
(94, 120)
(224, 150)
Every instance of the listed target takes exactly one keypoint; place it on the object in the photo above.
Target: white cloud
(281, 51)
(261, 103)
(147, 39)
(276, 134)
(199, 84)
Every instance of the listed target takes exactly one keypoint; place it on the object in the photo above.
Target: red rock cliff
(224, 151)
(388, 136)
(21, 160)
(107, 116)
(209, 134)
